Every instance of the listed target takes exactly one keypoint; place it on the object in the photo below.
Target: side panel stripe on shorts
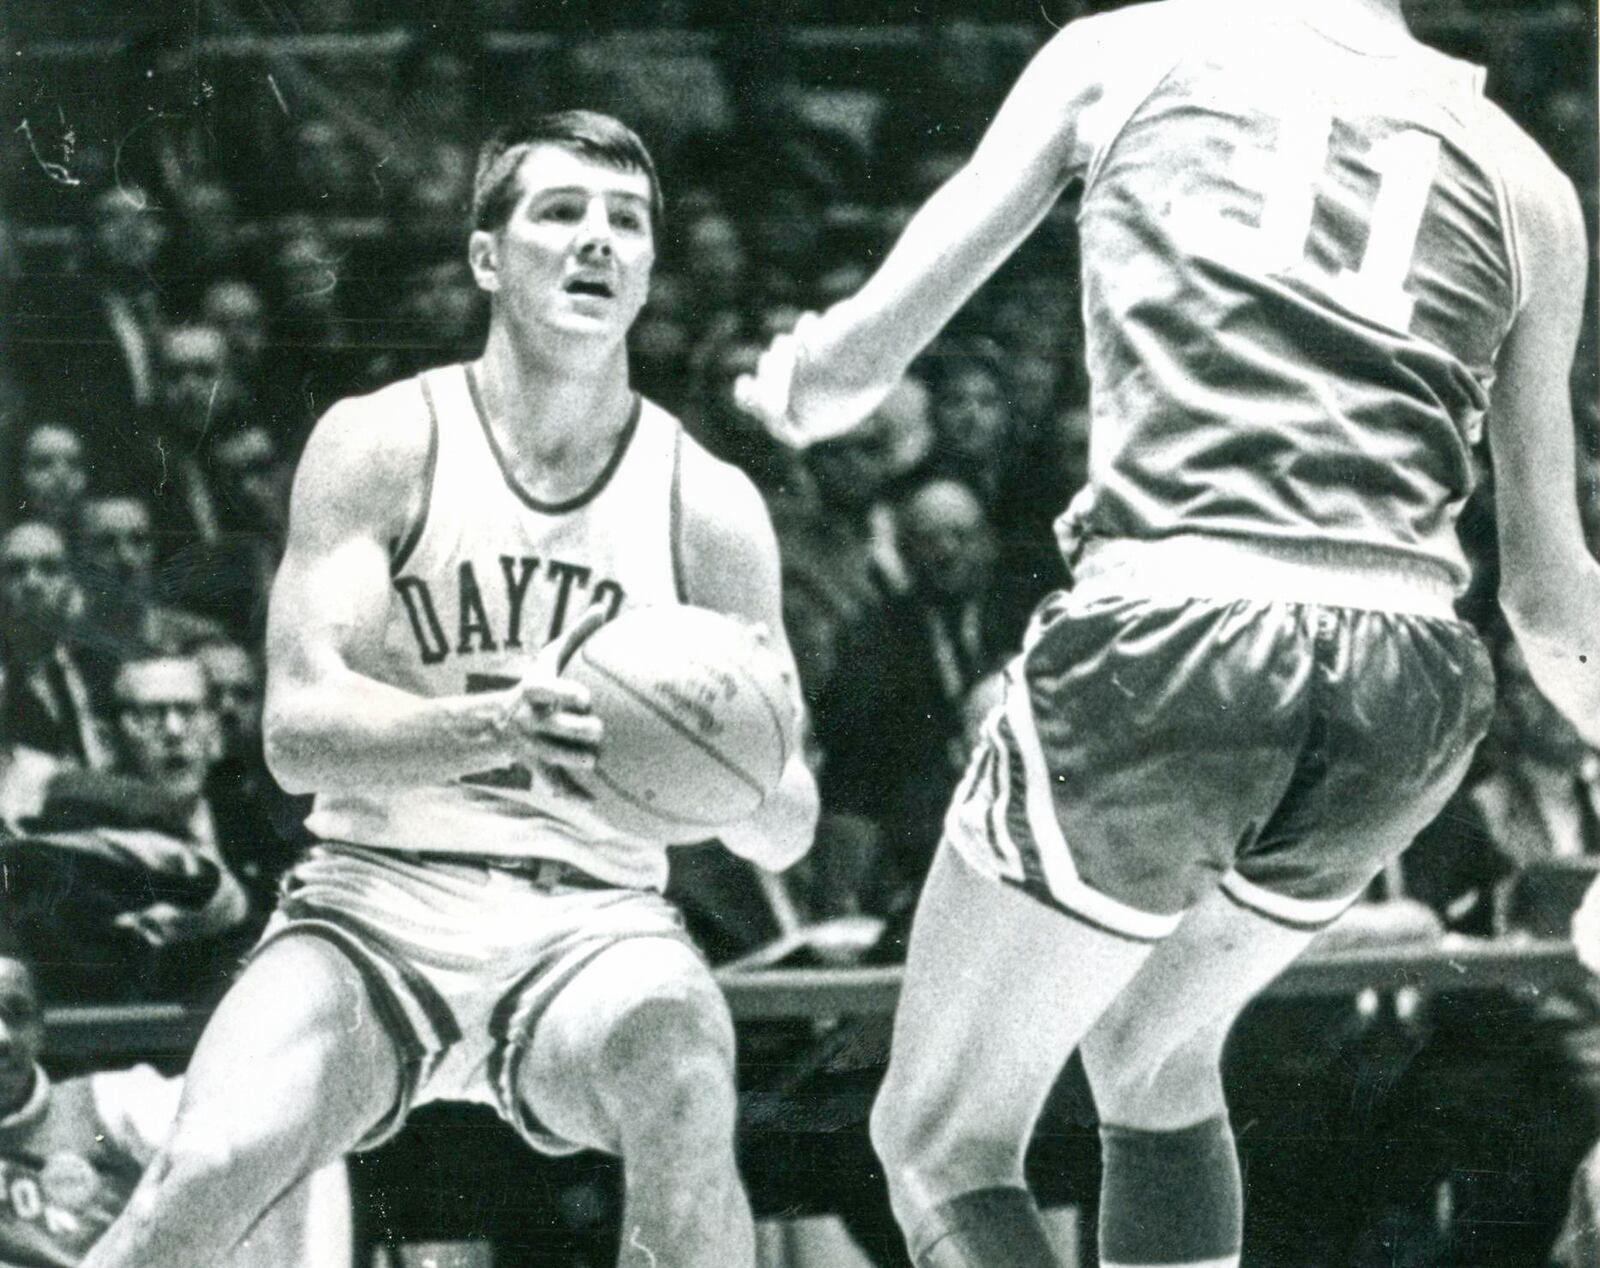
(1300, 913)
(446, 1030)
(1061, 876)
(505, 1061)
(997, 763)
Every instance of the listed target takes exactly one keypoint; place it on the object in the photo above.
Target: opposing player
(1315, 259)
(467, 928)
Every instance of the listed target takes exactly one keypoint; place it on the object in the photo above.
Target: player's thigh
(295, 1066)
(641, 1027)
(998, 990)
(1152, 1056)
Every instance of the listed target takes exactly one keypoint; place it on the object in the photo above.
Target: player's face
(21, 1034)
(575, 254)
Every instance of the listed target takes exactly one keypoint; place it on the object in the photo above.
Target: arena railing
(1450, 964)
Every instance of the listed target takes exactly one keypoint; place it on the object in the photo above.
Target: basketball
(696, 716)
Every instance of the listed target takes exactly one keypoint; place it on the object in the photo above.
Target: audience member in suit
(890, 722)
(88, 343)
(51, 475)
(45, 703)
(120, 883)
(261, 828)
(196, 401)
(115, 559)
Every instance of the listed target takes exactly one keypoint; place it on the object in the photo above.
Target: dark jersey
(1299, 265)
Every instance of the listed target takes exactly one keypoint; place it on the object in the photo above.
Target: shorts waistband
(1329, 574)
(544, 873)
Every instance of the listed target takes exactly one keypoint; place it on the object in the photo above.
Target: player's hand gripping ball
(698, 720)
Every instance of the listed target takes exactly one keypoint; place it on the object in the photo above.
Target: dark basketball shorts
(1155, 743)
(461, 960)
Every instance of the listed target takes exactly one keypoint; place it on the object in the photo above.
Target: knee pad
(1170, 1197)
(984, 1228)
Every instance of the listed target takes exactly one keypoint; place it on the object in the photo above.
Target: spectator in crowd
(326, 174)
(51, 475)
(197, 400)
(228, 578)
(729, 433)
(970, 415)
(439, 317)
(236, 308)
(891, 723)
(841, 546)
(311, 327)
(88, 344)
(115, 559)
(436, 196)
(713, 255)
(207, 243)
(126, 866)
(45, 703)
(151, 810)
(72, 1151)
(260, 827)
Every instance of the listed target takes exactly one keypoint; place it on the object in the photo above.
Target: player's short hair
(597, 137)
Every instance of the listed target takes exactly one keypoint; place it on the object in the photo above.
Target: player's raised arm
(1550, 584)
(836, 368)
(328, 727)
(730, 564)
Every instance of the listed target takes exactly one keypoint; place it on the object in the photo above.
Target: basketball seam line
(677, 726)
(650, 808)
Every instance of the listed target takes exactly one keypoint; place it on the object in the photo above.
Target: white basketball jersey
(489, 576)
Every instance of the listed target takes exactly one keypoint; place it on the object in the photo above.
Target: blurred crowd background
(215, 220)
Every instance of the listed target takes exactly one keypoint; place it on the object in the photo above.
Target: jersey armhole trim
(680, 585)
(582, 498)
(408, 544)
(1124, 116)
(1508, 218)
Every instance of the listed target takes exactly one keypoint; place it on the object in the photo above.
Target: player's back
(1299, 265)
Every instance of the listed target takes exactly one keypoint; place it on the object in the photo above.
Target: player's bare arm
(836, 368)
(329, 727)
(1550, 584)
(730, 564)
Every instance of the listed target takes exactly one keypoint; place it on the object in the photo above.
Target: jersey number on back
(1293, 179)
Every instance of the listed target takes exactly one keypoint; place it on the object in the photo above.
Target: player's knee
(925, 1151)
(667, 1065)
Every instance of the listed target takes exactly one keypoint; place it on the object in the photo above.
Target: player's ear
(483, 254)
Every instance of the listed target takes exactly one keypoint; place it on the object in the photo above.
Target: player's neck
(555, 416)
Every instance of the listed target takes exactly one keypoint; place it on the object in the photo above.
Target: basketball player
(1315, 259)
(468, 928)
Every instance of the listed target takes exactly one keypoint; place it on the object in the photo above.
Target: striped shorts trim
(460, 974)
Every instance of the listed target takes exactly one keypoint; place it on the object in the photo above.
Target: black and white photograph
(786, 634)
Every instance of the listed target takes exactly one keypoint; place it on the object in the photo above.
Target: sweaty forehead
(547, 168)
